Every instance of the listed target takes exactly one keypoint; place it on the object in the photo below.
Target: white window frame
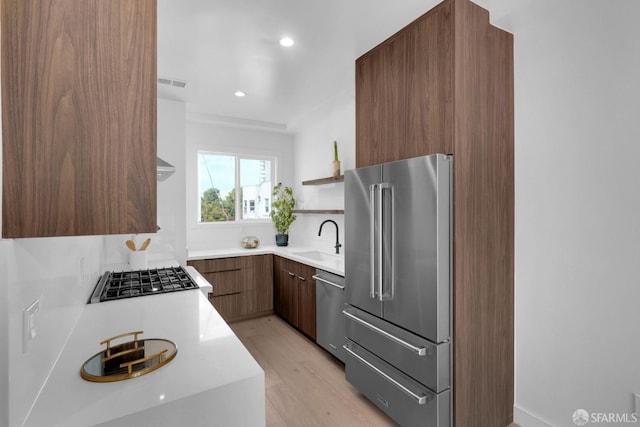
(238, 202)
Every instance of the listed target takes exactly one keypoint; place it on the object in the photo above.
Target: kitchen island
(213, 380)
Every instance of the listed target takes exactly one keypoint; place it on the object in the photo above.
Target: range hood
(165, 170)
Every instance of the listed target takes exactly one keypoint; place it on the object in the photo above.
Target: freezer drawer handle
(420, 351)
(327, 282)
(421, 400)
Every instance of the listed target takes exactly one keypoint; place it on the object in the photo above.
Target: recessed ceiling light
(239, 93)
(286, 41)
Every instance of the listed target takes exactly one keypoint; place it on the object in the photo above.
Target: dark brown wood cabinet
(295, 294)
(285, 290)
(242, 286)
(78, 117)
(444, 84)
(307, 300)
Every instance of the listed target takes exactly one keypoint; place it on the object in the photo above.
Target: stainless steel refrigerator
(398, 270)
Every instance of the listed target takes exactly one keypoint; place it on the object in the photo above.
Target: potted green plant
(282, 212)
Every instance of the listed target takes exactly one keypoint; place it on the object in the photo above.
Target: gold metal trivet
(129, 359)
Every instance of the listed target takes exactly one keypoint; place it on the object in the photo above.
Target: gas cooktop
(129, 284)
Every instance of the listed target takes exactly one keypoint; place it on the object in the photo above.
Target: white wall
(210, 135)
(172, 199)
(5, 247)
(316, 131)
(577, 99)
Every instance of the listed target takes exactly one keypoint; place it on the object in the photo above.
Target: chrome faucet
(337, 246)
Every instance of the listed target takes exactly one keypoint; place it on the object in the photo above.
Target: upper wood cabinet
(444, 84)
(413, 88)
(78, 117)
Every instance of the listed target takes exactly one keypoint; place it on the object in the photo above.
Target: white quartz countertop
(210, 359)
(304, 254)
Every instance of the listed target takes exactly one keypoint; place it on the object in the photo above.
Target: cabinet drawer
(242, 286)
(415, 356)
(227, 282)
(219, 264)
(403, 399)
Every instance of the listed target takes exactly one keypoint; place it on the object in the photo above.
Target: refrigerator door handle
(372, 240)
(420, 400)
(380, 240)
(389, 233)
(420, 351)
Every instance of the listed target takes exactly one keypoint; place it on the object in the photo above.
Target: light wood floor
(305, 385)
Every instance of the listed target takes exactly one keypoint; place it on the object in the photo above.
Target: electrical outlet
(29, 324)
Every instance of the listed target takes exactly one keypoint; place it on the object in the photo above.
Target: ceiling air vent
(172, 82)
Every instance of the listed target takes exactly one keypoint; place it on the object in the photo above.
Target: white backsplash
(60, 273)
(304, 232)
(221, 236)
(116, 253)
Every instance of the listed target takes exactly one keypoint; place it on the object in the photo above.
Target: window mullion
(238, 203)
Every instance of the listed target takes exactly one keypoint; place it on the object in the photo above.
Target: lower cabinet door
(307, 300)
(234, 306)
(405, 400)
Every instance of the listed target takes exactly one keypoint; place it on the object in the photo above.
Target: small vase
(250, 242)
(336, 168)
(282, 239)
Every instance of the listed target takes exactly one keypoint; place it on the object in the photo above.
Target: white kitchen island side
(213, 380)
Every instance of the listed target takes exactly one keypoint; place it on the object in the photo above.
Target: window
(221, 177)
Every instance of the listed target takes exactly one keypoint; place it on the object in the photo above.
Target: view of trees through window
(223, 176)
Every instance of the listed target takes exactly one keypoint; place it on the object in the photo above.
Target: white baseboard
(524, 418)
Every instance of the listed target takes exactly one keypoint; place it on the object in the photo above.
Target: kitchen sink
(322, 260)
(319, 256)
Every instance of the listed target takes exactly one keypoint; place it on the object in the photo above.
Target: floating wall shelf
(322, 181)
(319, 211)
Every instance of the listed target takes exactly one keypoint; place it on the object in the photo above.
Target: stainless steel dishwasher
(330, 322)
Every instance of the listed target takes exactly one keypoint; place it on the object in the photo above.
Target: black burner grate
(128, 284)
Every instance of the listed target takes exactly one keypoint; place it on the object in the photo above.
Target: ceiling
(221, 46)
